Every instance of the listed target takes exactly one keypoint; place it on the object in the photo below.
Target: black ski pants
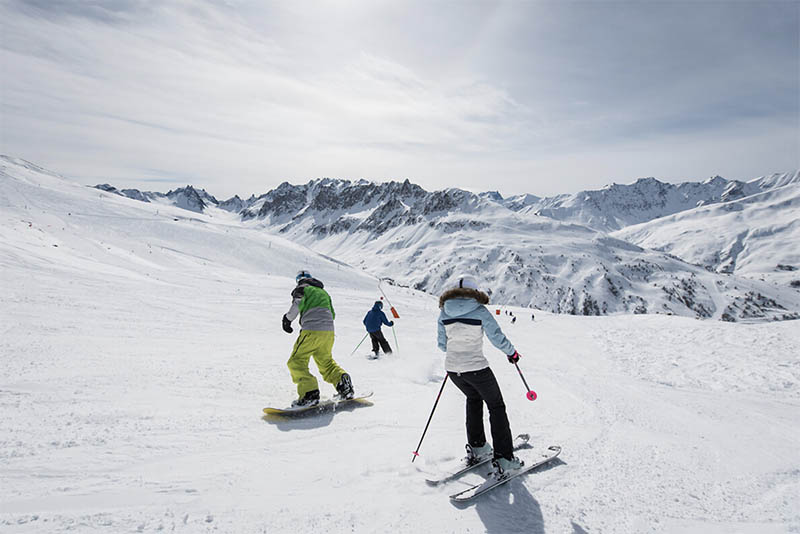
(378, 340)
(479, 387)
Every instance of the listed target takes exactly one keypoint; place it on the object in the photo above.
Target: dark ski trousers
(479, 387)
(378, 340)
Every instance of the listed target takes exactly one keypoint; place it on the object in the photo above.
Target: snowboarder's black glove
(287, 326)
(514, 358)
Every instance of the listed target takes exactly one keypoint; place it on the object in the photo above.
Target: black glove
(514, 358)
(391, 323)
(287, 326)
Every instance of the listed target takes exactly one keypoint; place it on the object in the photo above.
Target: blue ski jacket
(375, 318)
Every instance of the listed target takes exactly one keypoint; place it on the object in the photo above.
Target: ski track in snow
(137, 356)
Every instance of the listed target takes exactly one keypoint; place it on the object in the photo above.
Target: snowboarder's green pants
(319, 345)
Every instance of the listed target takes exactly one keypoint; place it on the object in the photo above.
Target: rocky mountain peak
(191, 199)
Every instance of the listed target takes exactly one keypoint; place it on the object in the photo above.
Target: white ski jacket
(463, 321)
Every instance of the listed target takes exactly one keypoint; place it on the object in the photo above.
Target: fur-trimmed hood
(463, 293)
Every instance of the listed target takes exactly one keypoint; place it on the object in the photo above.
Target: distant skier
(513, 320)
(533, 317)
(313, 304)
(373, 321)
(462, 322)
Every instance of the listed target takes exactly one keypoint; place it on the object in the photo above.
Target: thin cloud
(536, 97)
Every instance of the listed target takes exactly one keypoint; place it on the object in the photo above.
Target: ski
(324, 405)
(519, 442)
(530, 464)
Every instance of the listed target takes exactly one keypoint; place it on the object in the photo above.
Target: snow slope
(757, 236)
(138, 352)
(554, 267)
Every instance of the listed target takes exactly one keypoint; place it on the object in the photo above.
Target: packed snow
(140, 343)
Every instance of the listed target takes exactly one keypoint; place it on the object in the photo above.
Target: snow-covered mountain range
(611, 208)
(757, 236)
(550, 253)
(423, 239)
(617, 206)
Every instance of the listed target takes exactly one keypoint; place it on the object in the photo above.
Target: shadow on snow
(311, 419)
(512, 508)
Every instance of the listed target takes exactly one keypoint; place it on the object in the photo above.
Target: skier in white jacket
(463, 321)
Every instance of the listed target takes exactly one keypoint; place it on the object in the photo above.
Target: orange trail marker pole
(394, 312)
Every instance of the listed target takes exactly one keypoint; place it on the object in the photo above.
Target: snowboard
(462, 467)
(531, 463)
(324, 405)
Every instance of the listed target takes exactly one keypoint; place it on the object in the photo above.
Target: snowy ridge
(756, 236)
(187, 198)
(167, 237)
(608, 209)
(617, 206)
(776, 180)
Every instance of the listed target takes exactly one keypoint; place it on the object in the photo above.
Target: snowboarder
(462, 322)
(373, 321)
(313, 304)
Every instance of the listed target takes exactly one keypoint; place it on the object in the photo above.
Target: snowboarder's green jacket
(313, 304)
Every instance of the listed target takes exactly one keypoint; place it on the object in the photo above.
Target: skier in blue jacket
(373, 321)
(463, 321)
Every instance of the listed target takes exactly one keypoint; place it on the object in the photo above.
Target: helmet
(467, 282)
(302, 274)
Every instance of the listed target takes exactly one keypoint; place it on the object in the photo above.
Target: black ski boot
(345, 387)
(309, 399)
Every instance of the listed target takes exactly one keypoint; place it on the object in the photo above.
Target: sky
(537, 97)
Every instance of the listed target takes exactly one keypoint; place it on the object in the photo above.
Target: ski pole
(394, 312)
(416, 452)
(530, 394)
(396, 344)
(359, 343)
